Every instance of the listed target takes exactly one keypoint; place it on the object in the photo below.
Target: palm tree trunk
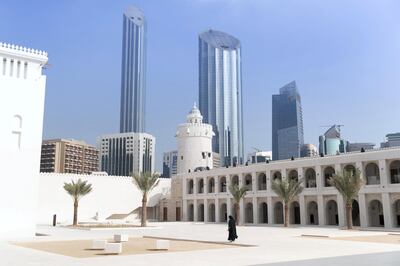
(144, 211)
(349, 217)
(237, 213)
(75, 219)
(286, 215)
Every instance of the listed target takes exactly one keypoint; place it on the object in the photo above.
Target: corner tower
(194, 143)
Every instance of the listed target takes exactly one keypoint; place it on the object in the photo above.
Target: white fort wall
(110, 195)
(22, 92)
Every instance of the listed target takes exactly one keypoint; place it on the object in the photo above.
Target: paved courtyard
(268, 246)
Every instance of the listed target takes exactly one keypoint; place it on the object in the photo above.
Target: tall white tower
(22, 90)
(194, 143)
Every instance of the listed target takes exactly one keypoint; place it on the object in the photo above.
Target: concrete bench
(162, 244)
(120, 238)
(99, 244)
(113, 248)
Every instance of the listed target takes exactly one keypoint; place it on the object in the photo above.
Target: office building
(125, 154)
(308, 150)
(220, 93)
(170, 164)
(358, 146)
(287, 123)
(259, 157)
(133, 72)
(331, 142)
(392, 140)
(68, 156)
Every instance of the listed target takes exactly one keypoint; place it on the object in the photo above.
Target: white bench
(113, 248)
(162, 244)
(99, 244)
(120, 238)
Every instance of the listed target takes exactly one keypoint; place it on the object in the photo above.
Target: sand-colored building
(68, 156)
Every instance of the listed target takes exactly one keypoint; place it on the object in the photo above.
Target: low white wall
(110, 194)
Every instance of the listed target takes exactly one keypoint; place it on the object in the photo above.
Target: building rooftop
(220, 39)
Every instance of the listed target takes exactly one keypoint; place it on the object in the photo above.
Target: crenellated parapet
(23, 49)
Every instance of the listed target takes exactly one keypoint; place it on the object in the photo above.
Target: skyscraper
(133, 72)
(287, 123)
(220, 93)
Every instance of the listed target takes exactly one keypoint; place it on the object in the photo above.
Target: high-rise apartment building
(170, 164)
(287, 123)
(68, 156)
(125, 154)
(220, 93)
(133, 72)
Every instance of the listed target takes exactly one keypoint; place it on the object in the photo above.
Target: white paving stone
(273, 245)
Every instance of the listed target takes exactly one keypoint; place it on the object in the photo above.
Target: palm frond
(348, 183)
(287, 190)
(78, 189)
(145, 182)
(238, 192)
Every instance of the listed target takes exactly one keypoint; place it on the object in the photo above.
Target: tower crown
(194, 116)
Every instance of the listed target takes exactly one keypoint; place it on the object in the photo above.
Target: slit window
(11, 67)
(18, 68)
(4, 66)
(25, 70)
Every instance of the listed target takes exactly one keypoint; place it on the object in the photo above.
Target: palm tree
(238, 193)
(348, 184)
(287, 190)
(145, 182)
(77, 191)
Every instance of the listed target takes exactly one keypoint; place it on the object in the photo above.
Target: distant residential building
(170, 164)
(331, 142)
(220, 93)
(216, 160)
(68, 156)
(133, 72)
(194, 140)
(287, 123)
(124, 154)
(392, 140)
(259, 156)
(360, 146)
(308, 150)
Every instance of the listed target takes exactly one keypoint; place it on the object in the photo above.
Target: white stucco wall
(22, 92)
(110, 194)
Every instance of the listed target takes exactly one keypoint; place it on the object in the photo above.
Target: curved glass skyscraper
(133, 77)
(220, 93)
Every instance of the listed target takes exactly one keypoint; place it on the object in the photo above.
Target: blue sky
(343, 54)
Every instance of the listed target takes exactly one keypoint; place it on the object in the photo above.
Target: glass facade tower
(133, 72)
(220, 93)
(287, 123)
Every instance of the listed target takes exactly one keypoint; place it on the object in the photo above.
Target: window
(25, 70)
(181, 157)
(11, 67)
(4, 66)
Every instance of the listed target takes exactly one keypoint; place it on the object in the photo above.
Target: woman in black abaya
(232, 229)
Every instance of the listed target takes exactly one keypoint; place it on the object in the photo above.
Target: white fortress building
(194, 143)
(205, 196)
(22, 96)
